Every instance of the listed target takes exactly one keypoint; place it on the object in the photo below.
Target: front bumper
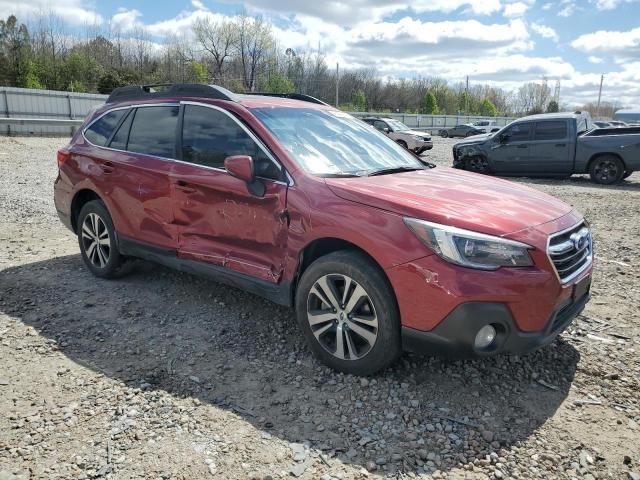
(455, 335)
(420, 145)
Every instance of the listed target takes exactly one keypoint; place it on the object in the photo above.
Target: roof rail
(292, 96)
(144, 92)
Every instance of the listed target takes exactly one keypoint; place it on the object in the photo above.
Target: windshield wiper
(388, 170)
(338, 175)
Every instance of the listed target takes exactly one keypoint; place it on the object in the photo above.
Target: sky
(498, 42)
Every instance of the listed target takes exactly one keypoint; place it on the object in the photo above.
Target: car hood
(415, 132)
(480, 138)
(453, 197)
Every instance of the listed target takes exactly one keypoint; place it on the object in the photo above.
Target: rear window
(100, 131)
(153, 131)
(555, 130)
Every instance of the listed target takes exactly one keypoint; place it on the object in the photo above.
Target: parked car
(486, 126)
(414, 140)
(553, 145)
(601, 124)
(300, 203)
(466, 130)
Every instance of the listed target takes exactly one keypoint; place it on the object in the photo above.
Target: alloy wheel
(606, 170)
(95, 240)
(342, 316)
(477, 164)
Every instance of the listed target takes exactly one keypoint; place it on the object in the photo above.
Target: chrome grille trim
(568, 257)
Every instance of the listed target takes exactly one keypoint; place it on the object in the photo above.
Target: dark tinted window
(551, 130)
(518, 132)
(209, 136)
(100, 131)
(119, 140)
(380, 125)
(154, 131)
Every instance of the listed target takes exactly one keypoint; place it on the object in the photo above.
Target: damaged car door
(222, 220)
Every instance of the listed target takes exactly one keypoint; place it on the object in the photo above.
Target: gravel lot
(167, 376)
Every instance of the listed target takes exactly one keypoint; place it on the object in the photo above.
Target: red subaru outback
(290, 199)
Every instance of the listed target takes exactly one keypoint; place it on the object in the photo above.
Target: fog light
(485, 337)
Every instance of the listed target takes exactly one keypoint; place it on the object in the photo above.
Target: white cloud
(126, 20)
(514, 10)
(620, 45)
(198, 4)
(596, 60)
(350, 12)
(75, 12)
(544, 31)
(609, 4)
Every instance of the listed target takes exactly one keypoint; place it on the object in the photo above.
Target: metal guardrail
(54, 126)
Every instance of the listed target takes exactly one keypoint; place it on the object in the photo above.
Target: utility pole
(337, 83)
(599, 96)
(466, 98)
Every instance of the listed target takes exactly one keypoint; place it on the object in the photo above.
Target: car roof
(553, 116)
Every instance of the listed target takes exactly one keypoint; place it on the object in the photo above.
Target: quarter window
(555, 130)
(119, 140)
(153, 131)
(100, 131)
(209, 136)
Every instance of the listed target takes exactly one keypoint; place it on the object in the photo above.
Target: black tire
(378, 304)
(444, 134)
(402, 143)
(468, 134)
(606, 170)
(101, 260)
(477, 164)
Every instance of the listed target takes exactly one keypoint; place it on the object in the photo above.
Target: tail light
(63, 156)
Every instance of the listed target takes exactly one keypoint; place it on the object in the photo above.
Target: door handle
(523, 146)
(184, 187)
(106, 167)
(561, 144)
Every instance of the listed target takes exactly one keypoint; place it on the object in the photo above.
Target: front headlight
(470, 249)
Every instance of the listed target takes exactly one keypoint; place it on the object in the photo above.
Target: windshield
(330, 142)
(397, 126)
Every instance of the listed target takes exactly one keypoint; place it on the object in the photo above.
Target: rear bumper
(455, 335)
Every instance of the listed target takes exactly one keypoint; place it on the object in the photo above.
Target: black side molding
(281, 293)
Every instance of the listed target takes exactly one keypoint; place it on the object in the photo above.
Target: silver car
(414, 140)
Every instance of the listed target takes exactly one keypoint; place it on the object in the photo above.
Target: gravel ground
(167, 376)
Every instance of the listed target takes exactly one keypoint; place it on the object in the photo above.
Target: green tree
(15, 52)
(31, 78)
(488, 109)
(199, 72)
(360, 100)
(553, 107)
(279, 84)
(429, 104)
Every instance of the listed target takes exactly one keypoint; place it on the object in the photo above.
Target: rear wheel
(477, 164)
(444, 134)
(606, 170)
(97, 240)
(348, 313)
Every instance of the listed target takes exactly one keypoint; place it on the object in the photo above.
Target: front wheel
(477, 164)
(444, 134)
(402, 143)
(606, 170)
(348, 313)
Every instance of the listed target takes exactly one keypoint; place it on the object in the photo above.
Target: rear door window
(153, 131)
(100, 131)
(551, 130)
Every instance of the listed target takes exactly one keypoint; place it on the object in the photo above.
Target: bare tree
(255, 40)
(219, 39)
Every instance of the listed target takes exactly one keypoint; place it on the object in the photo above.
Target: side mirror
(385, 129)
(241, 167)
(504, 138)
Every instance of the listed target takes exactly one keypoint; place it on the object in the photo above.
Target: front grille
(571, 251)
